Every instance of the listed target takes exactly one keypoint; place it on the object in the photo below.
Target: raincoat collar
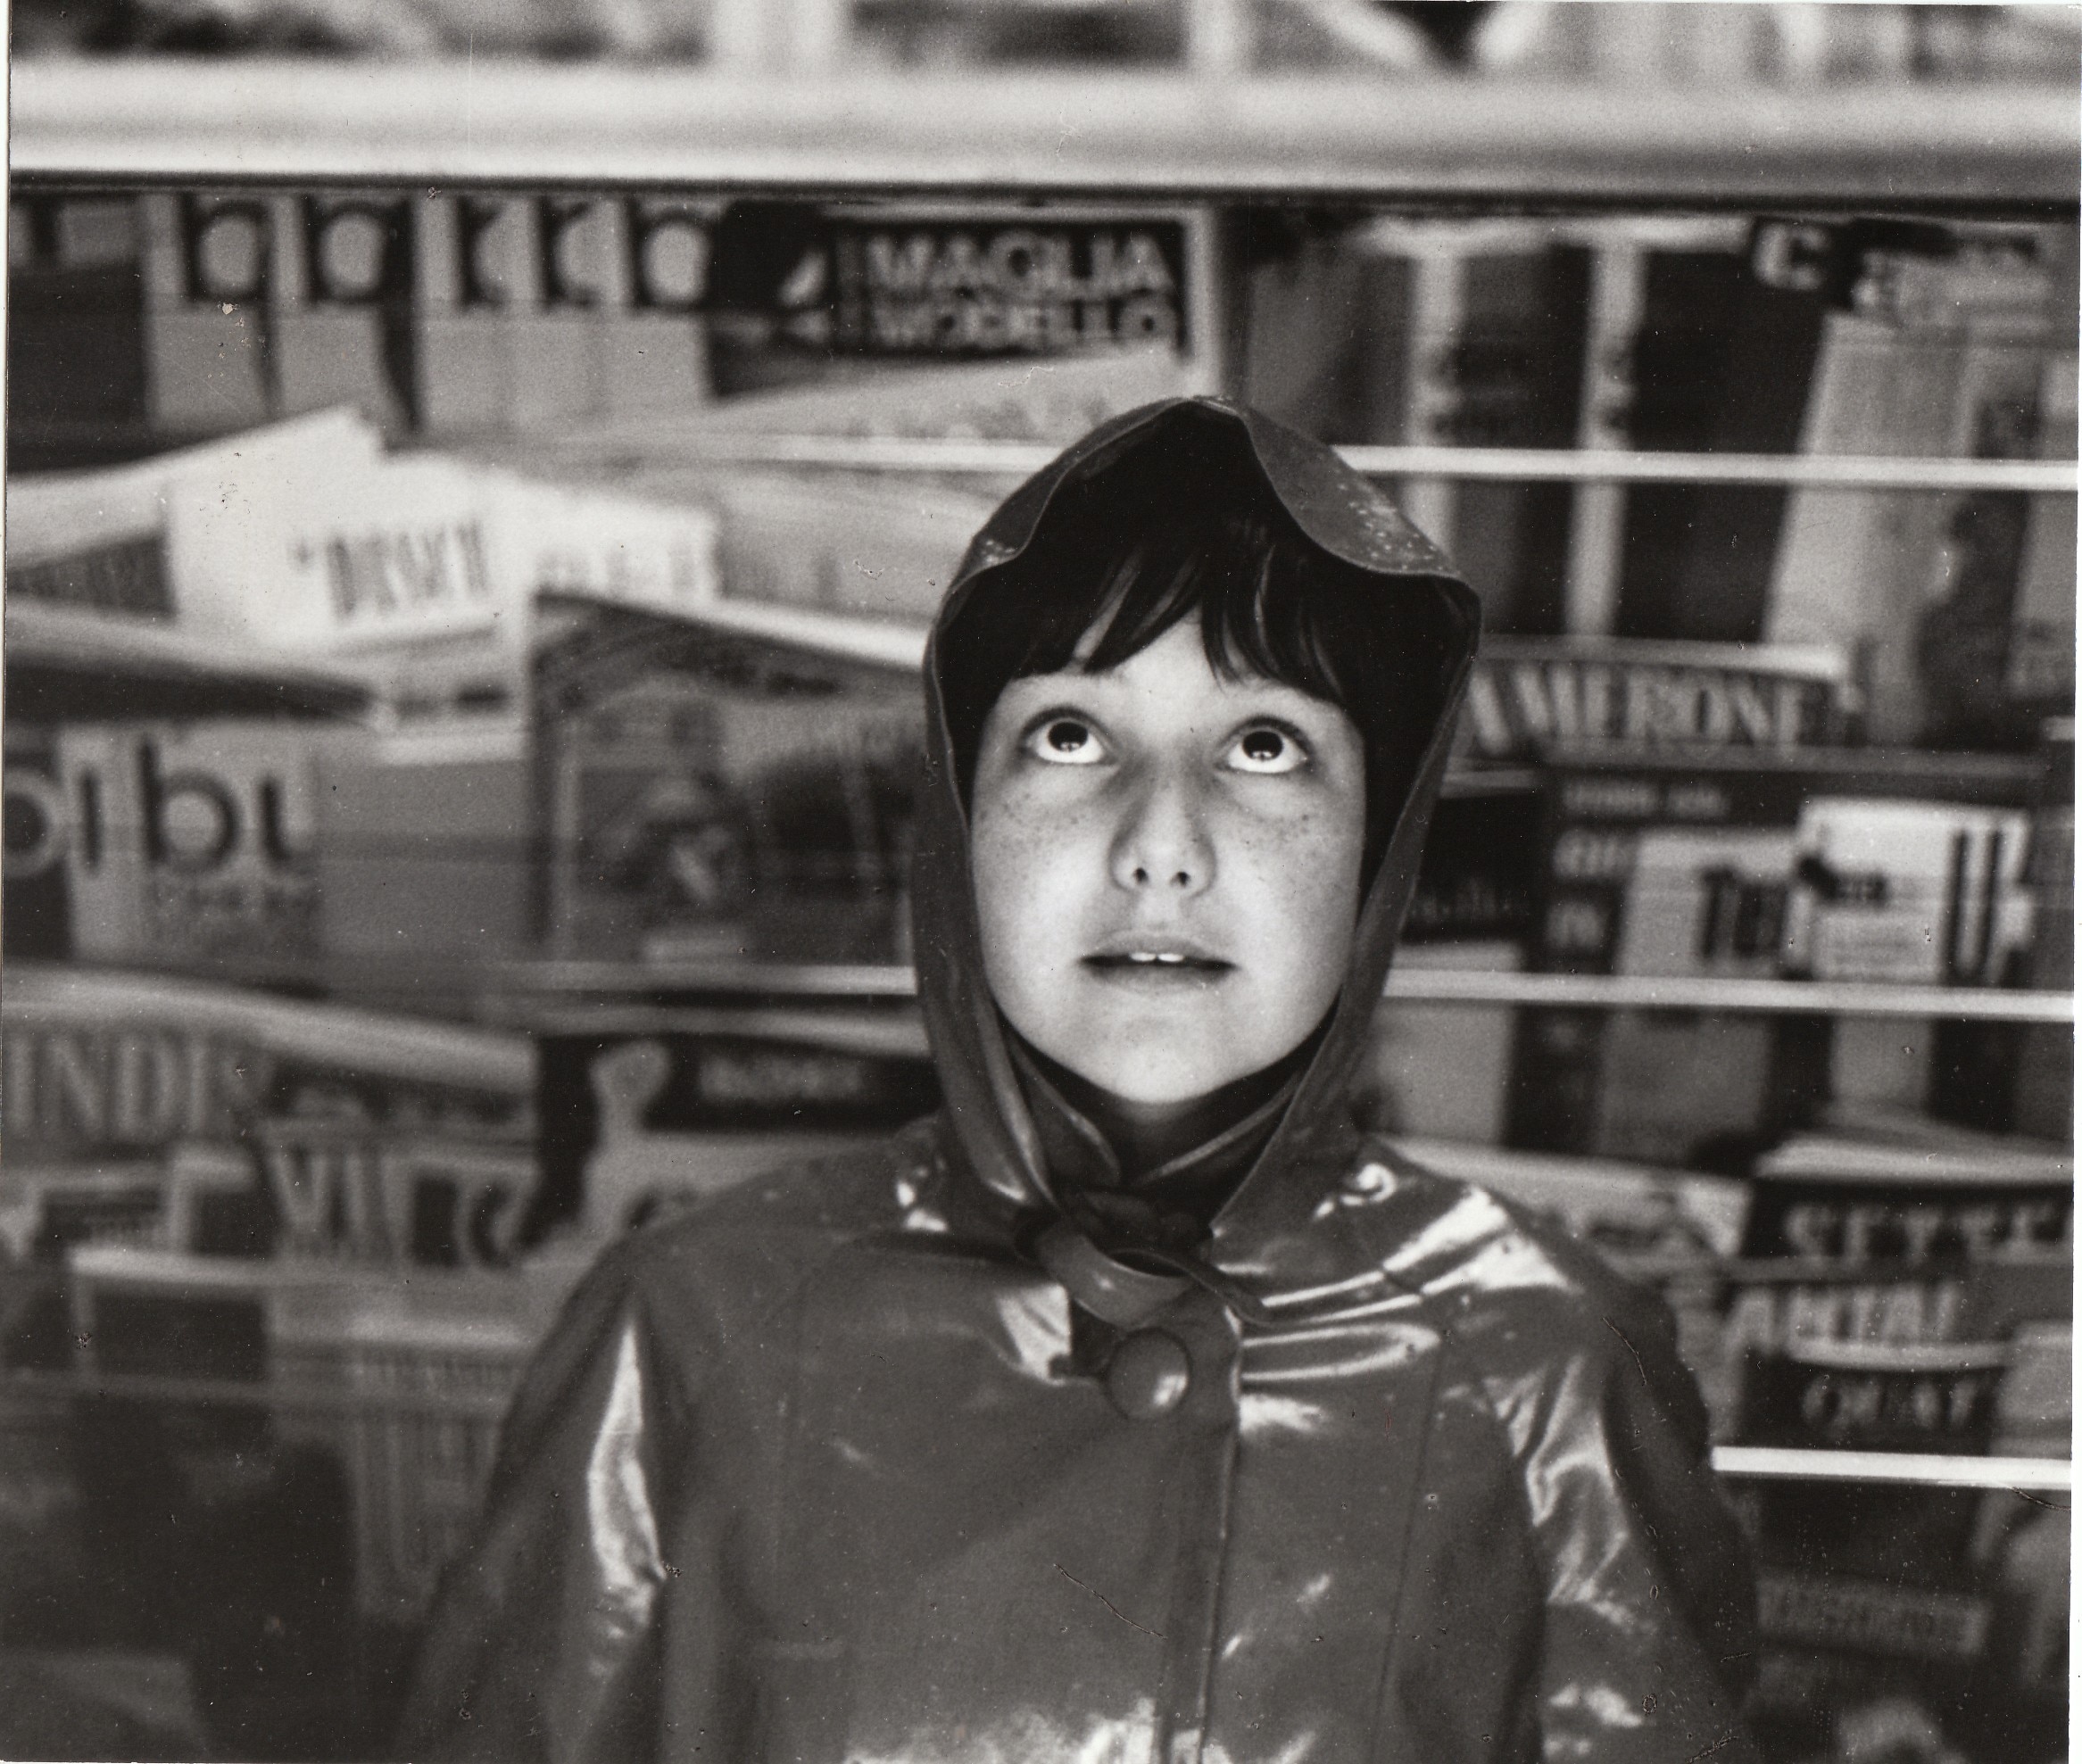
(1015, 1168)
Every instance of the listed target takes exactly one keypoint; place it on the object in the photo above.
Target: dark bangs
(1111, 571)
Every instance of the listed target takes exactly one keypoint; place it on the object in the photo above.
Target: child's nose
(1162, 840)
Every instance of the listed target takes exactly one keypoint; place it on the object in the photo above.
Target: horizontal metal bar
(542, 997)
(1516, 465)
(1923, 1469)
(1806, 471)
(272, 1394)
(515, 985)
(1988, 148)
(432, 1051)
(1774, 998)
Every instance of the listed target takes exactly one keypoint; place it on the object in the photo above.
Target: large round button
(1148, 1375)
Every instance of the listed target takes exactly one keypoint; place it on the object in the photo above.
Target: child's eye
(1266, 749)
(1065, 741)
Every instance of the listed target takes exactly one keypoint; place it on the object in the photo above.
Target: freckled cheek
(1305, 876)
(1308, 856)
(1030, 878)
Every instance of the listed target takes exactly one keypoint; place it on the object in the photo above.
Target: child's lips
(1160, 965)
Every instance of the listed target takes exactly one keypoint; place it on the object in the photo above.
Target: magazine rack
(1440, 146)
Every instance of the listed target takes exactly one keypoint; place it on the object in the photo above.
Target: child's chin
(1176, 1082)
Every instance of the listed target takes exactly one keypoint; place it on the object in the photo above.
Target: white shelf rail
(529, 985)
(426, 1048)
(1988, 148)
(1776, 1464)
(273, 1393)
(1770, 998)
(537, 995)
(1520, 465)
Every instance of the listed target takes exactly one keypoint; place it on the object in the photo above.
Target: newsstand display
(463, 740)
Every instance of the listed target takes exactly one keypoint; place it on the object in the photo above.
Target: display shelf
(1922, 1469)
(1251, 143)
(1988, 149)
(59, 657)
(1015, 459)
(1770, 997)
(425, 1048)
(514, 985)
(271, 1394)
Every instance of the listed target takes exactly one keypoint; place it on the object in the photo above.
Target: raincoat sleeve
(1646, 1636)
(545, 1639)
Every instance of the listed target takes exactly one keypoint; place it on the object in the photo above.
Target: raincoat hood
(1014, 1156)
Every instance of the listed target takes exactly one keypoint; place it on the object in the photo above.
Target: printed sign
(1528, 694)
(477, 312)
(188, 840)
(960, 289)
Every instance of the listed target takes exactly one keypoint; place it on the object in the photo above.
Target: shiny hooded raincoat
(890, 1460)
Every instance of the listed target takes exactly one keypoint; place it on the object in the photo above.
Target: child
(1133, 1409)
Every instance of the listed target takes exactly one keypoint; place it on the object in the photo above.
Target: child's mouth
(1157, 969)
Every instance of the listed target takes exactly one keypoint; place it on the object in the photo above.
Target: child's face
(1166, 868)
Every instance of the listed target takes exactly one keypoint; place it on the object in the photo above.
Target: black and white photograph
(1039, 881)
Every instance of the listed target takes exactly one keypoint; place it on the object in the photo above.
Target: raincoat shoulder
(546, 1637)
(1562, 1392)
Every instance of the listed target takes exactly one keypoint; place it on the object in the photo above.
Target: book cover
(872, 545)
(1475, 335)
(190, 841)
(513, 311)
(1874, 1395)
(1440, 1070)
(1889, 1286)
(341, 328)
(2039, 666)
(1938, 349)
(716, 793)
(35, 910)
(1479, 878)
(425, 847)
(1657, 867)
(272, 1127)
(681, 1102)
(1642, 1217)
(654, 334)
(1982, 590)
(1908, 1622)
(1443, 1070)
(1298, 300)
(469, 268)
(76, 326)
(2043, 1097)
(1691, 866)
(96, 540)
(422, 570)
(1913, 893)
(1856, 1201)
(800, 293)
(209, 262)
(1725, 323)
(536, 311)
